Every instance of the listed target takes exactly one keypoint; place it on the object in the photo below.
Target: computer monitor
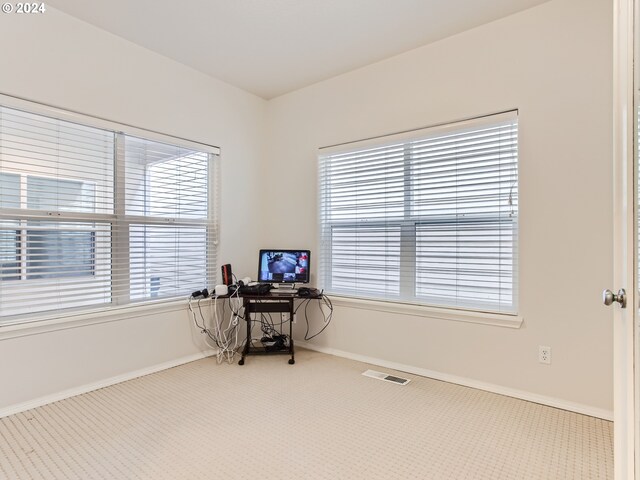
(284, 266)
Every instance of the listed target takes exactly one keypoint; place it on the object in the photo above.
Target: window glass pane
(60, 252)
(167, 260)
(60, 195)
(165, 180)
(66, 166)
(178, 187)
(466, 263)
(67, 264)
(9, 190)
(366, 259)
(366, 184)
(9, 251)
(464, 174)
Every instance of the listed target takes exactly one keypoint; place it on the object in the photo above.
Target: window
(166, 192)
(91, 217)
(426, 217)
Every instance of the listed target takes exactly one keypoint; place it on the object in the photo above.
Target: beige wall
(554, 64)
(61, 61)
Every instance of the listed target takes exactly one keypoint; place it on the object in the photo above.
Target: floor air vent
(386, 377)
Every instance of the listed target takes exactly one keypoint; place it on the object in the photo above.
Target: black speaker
(227, 276)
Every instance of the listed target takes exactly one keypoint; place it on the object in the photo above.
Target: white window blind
(427, 217)
(166, 202)
(93, 218)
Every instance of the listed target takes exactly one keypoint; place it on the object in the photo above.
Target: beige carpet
(317, 419)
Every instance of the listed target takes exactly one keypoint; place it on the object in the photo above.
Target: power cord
(224, 333)
(323, 300)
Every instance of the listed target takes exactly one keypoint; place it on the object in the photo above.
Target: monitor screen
(284, 266)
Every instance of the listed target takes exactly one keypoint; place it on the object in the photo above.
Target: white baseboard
(72, 392)
(467, 382)
(510, 392)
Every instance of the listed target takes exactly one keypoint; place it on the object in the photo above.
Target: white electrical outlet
(544, 354)
(295, 318)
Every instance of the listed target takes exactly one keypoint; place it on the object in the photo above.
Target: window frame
(408, 223)
(57, 316)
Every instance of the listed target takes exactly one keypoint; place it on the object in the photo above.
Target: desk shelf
(258, 304)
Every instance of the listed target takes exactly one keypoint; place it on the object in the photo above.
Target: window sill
(483, 318)
(40, 325)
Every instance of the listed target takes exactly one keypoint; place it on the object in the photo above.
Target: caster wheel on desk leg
(241, 362)
(291, 361)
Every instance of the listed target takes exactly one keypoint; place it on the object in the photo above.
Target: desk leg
(247, 343)
(292, 360)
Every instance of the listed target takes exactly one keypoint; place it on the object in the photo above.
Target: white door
(626, 432)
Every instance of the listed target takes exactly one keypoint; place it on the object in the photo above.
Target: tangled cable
(224, 333)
